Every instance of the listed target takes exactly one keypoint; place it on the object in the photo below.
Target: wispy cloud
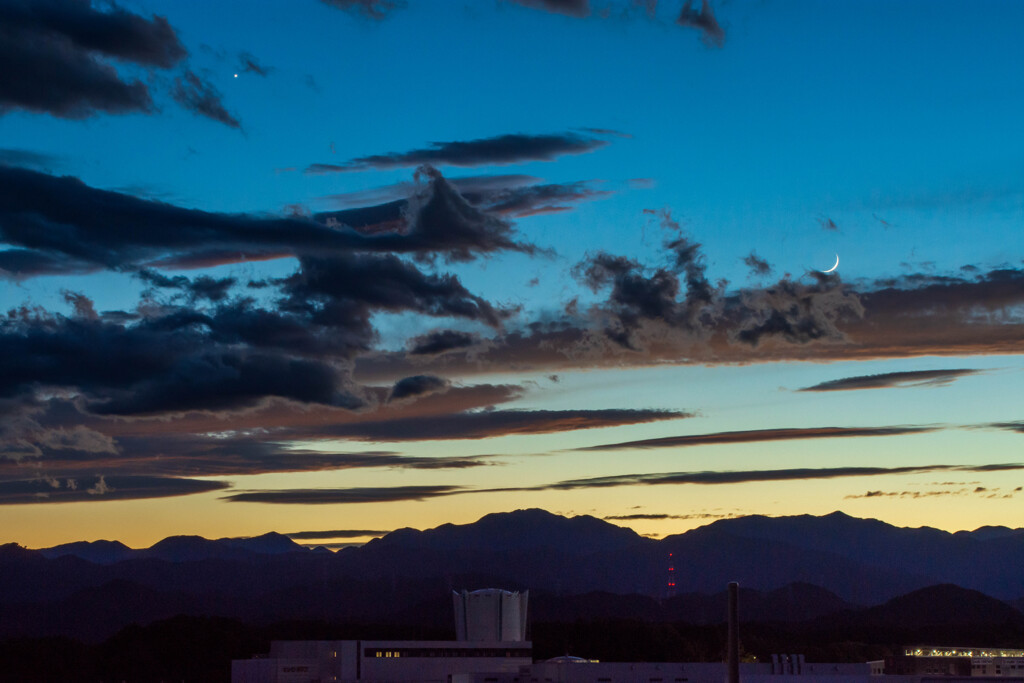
(440, 341)
(29, 491)
(703, 20)
(368, 9)
(96, 229)
(336, 496)
(247, 63)
(747, 476)
(760, 435)
(707, 478)
(486, 424)
(978, 491)
(910, 378)
(334, 533)
(26, 158)
(574, 8)
(511, 148)
(1010, 426)
(663, 516)
(202, 97)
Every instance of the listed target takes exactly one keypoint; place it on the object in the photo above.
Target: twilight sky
(336, 267)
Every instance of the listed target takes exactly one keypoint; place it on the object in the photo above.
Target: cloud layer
(513, 148)
(53, 52)
(914, 378)
(760, 435)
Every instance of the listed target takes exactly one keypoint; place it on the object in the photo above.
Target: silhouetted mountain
(177, 549)
(868, 552)
(940, 605)
(987, 533)
(99, 552)
(94, 614)
(271, 543)
(190, 548)
(519, 531)
(791, 569)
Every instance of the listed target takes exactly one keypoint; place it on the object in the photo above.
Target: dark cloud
(342, 292)
(536, 199)
(504, 149)
(417, 385)
(202, 287)
(18, 264)
(63, 218)
(248, 64)
(117, 33)
(77, 85)
(703, 20)
(819, 318)
(57, 224)
(160, 363)
(435, 219)
(475, 186)
(370, 9)
(951, 315)
(39, 161)
(913, 378)
(647, 516)
(661, 516)
(62, 454)
(639, 295)
(203, 98)
(1010, 426)
(101, 488)
(440, 341)
(335, 533)
(335, 496)
(798, 312)
(476, 201)
(390, 494)
(746, 476)
(490, 423)
(574, 8)
(827, 223)
(227, 380)
(757, 264)
(760, 435)
(914, 495)
(51, 54)
(276, 421)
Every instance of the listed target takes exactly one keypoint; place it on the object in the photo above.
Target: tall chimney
(733, 664)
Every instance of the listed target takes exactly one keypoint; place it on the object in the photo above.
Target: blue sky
(633, 206)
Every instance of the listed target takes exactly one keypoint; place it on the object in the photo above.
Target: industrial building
(491, 637)
(490, 615)
(953, 662)
(323, 661)
(576, 670)
(492, 647)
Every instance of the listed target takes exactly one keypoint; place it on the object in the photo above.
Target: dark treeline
(193, 649)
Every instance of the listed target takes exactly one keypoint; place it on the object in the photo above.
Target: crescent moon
(833, 267)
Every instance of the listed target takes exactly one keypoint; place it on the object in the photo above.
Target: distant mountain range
(791, 569)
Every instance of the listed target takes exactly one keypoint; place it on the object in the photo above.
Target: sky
(336, 267)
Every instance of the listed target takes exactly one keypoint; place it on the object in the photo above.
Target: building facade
(380, 661)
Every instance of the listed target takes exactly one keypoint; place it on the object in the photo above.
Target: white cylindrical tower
(490, 614)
